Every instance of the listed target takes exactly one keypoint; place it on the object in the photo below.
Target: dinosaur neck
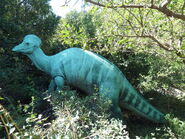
(40, 60)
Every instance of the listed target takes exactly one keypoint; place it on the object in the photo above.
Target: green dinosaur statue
(88, 71)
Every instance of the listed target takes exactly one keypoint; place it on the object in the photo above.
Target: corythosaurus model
(87, 71)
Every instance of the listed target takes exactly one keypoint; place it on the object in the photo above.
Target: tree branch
(162, 8)
(164, 46)
(116, 6)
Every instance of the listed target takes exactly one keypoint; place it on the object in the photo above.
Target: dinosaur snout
(17, 48)
(14, 49)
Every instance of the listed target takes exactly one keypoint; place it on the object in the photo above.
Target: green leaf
(1, 98)
(12, 130)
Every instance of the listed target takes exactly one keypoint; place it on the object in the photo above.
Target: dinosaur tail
(134, 101)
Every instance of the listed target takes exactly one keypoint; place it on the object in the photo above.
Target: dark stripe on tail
(154, 115)
(149, 110)
(143, 105)
(138, 101)
(130, 99)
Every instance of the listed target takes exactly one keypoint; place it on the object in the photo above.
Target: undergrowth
(76, 117)
(88, 117)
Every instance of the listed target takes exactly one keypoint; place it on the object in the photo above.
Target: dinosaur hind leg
(110, 92)
(59, 81)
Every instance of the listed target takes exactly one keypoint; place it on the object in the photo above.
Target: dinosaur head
(28, 45)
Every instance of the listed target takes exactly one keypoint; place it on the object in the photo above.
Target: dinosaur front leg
(52, 86)
(59, 81)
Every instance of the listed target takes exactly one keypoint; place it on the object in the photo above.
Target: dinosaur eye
(27, 43)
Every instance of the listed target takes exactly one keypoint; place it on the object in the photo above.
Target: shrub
(78, 117)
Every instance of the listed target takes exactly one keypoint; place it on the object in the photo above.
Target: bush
(77, 117)
(177, 126)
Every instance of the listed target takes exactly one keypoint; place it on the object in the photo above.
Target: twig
(182, 11)
(165, 3)
(130, 23)
(6, 116)
(2, 119)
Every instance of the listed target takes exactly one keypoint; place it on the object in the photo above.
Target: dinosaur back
(85, 70)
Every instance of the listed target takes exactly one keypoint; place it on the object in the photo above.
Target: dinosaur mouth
(14, 49)
(22, 50)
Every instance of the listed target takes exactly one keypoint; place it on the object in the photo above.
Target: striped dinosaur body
(88, 72)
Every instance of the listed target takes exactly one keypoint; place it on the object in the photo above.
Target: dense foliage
(18, 18)
(146, 43)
